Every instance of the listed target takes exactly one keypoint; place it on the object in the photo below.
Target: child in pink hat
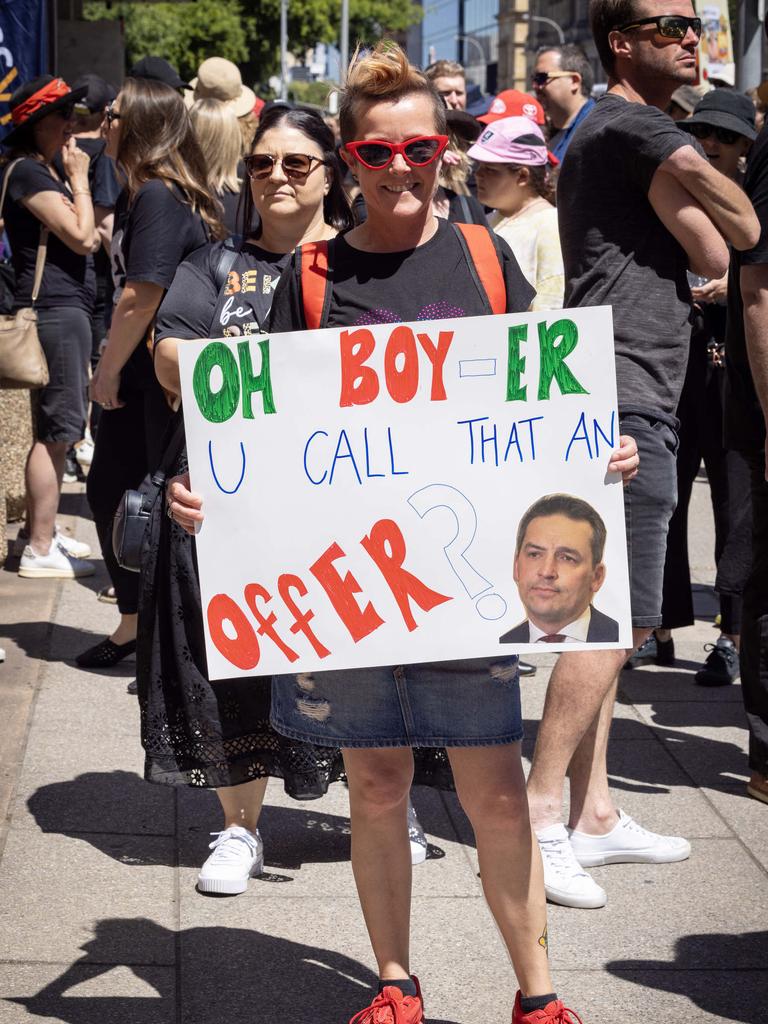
(513, 176)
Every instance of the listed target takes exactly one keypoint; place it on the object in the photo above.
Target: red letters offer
(341, 592)
(243, 651)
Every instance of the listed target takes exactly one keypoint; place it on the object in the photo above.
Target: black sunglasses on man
(670, 26)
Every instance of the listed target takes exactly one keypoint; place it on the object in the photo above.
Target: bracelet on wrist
(81, 192)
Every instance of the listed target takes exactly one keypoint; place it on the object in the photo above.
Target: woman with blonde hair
(403, 264)
(164, 214)
(218, 133)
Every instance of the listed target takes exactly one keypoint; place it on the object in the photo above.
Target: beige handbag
(22, 360)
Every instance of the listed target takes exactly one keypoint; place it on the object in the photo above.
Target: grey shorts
(61, 406)
(470, 703)
(649, 501)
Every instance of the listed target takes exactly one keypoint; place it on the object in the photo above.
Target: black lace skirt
(198, 733)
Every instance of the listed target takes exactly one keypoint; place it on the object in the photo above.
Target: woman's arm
(167, 364)
(71, 221)
(134, 312)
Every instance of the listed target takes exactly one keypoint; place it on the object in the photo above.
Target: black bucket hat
(724, 108)
(37, 99)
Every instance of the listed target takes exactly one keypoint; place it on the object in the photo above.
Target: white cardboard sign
(363, 490)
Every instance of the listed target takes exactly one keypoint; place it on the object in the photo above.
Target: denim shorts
(469, 703)
(649, 501)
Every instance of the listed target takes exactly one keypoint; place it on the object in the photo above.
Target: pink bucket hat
(511, 140)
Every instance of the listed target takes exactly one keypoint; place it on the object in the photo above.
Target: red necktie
(552, 638)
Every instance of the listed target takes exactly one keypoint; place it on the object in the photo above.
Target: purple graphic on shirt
(434, 311)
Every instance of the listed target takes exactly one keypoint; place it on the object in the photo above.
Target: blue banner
(23, 48)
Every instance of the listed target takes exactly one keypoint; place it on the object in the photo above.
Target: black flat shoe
(105, 654)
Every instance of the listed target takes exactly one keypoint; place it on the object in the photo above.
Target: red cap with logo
(513, 103)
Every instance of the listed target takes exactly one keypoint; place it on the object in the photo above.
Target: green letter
(516, 363)
(555, 344)
(220, 405)
(262, 383)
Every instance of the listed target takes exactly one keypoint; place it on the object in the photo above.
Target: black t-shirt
(430, 282)
(744, 421)
(68, 278)
(617, 252)
(196, 307)
(152, 236)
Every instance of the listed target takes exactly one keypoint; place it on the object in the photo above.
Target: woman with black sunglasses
(218, 735)
(50, 215)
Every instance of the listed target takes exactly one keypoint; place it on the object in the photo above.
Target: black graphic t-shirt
(68, 278)
(195, 307)
(429, 282)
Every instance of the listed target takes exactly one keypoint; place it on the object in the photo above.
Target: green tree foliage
(184, 33)
(246, 31)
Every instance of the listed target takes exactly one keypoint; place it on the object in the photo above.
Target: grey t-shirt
(617, 252)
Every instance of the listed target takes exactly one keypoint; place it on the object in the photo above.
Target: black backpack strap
(230, 250)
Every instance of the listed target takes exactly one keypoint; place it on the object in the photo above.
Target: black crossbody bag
(131, 520)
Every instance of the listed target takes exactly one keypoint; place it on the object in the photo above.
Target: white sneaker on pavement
(84, 452)
(565, 881)
(57, 564)
(76, 548)
(416, 836)
(237, 855)
(628, 843)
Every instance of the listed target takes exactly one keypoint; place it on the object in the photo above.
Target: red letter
(401, 384)
(243, 651)
(341, 593)
(266, 625)
(403, 584)
(301, 619)
(437, 356)
(359, 383)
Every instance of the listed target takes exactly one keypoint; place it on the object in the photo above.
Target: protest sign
(363, 490)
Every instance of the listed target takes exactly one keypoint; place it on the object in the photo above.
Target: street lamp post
(481, 51)
(545, 21)
(344, 41)
(283, 49)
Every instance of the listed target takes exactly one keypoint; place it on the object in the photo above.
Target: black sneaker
(652, 652)
(721, 667)
(73, 472)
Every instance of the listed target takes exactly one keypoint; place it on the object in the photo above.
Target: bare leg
(580, 684)
(591, 807)
(44, 470)
(242, 804)
(491, 786)
(125, 632)
(379, 783)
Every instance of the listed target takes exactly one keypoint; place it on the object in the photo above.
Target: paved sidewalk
(100, 922)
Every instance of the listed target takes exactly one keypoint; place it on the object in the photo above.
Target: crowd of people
(150, 206)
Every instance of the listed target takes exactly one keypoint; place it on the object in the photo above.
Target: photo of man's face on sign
(559, 569)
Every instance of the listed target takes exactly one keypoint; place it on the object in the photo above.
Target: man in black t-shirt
(638, 205)
(746, 414)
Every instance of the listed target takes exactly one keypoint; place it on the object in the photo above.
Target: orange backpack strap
(485, 264)
(315, 282)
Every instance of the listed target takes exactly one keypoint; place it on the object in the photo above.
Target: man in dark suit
(558, 570)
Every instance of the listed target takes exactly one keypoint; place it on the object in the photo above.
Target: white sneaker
(417, 837)
(237, 855)
(84, 452)
(57, 564)
(76, 548)
(628, 843)
(564, 880)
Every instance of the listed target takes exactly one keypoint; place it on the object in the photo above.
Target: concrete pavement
(100, 922)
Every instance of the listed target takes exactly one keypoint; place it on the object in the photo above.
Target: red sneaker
(392, 1007)
(553, 1013)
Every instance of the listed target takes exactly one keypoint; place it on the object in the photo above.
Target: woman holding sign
(219, 735)
(404, 264)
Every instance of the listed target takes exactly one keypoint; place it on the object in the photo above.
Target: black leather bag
(129, 526)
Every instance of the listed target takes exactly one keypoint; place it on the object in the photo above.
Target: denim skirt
(470, 703)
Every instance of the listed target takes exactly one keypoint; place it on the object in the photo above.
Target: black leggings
(129, 444)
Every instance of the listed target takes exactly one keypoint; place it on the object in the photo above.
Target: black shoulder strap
(230, 250)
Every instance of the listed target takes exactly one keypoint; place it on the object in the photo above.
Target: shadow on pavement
(736, 993)
(63, 644)
(222, 974)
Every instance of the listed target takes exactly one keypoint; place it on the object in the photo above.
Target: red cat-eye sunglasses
(376, 154)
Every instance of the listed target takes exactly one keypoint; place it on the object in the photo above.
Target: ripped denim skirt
(470, 703)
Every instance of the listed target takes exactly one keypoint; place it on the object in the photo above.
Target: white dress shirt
(575, 632)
